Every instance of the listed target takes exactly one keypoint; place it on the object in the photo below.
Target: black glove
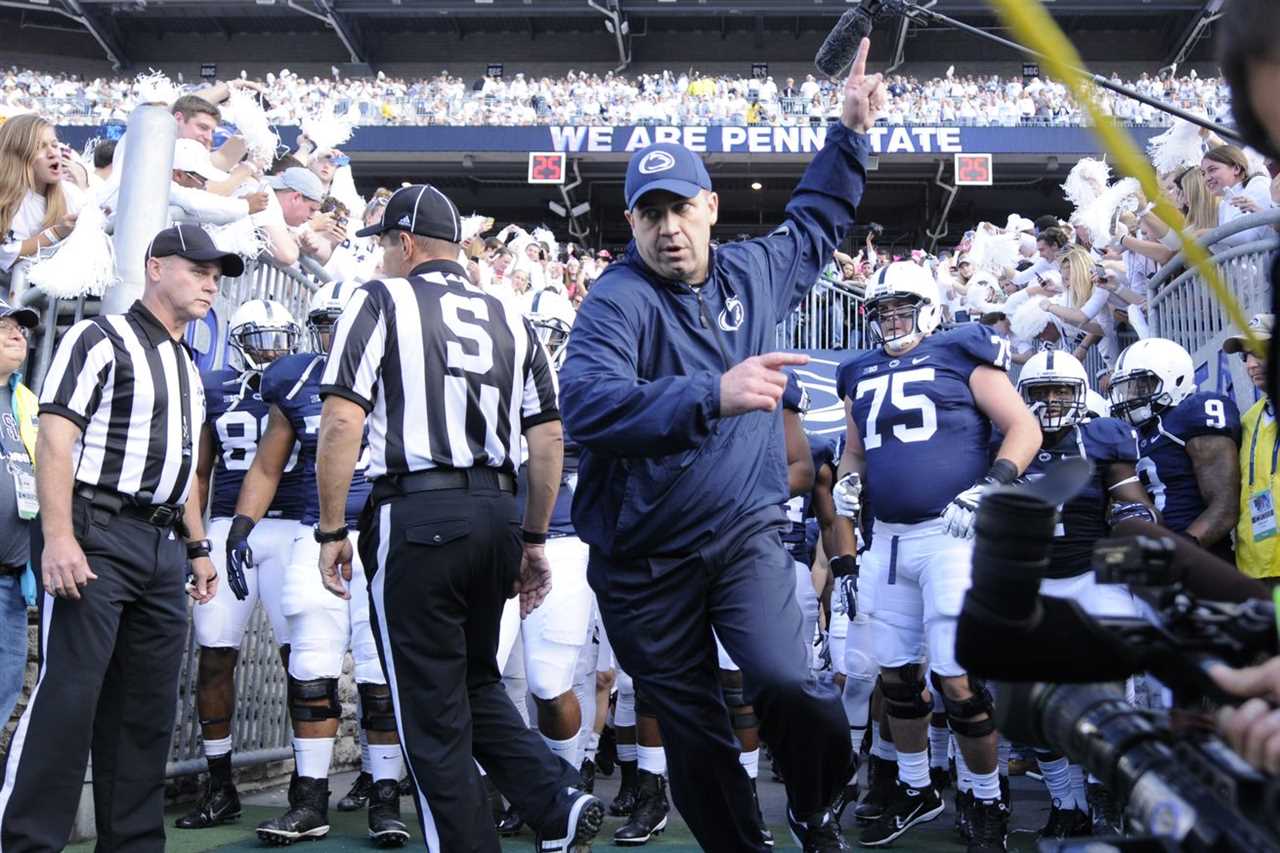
(239, 555)
(845, 570)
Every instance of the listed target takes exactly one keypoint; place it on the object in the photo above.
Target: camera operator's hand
(1253, 729)
(847, 495)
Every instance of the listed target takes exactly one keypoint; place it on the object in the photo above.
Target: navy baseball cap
(665, 166)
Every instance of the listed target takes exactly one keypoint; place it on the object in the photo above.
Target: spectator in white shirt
(37, 206)
(1226, 174)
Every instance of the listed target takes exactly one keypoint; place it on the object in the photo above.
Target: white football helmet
(1054, 369)
(552, 317)
(262, 330)
(1151, 375)
(326, 307)
(907, 282)
(1098, 405)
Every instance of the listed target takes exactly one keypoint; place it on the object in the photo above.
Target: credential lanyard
(1253, 450)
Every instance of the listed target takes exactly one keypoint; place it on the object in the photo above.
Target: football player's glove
(849, 591)
(960, 514)
(847, 495)
(239, 555)
(1124, 510)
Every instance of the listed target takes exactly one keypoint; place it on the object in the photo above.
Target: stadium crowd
(582, 98)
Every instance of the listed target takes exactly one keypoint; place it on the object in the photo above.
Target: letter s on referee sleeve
(538, 402)
(359, 342)
(609, 408)
(81, 369)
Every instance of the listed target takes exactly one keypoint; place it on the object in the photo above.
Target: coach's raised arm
(671, 391)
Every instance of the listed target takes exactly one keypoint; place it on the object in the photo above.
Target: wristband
(844, 565)
(324, 537)
(241, 527)
(198, 548)
(528, 537)
(1003, 472)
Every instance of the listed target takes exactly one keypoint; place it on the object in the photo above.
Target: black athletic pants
(108, 684)
(440, 567)
(659, 613)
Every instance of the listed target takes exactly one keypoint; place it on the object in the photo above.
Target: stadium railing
(829, 317)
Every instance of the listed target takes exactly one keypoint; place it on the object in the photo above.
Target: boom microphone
(837, 52)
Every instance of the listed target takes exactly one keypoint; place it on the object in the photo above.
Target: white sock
(880, 747)
(1003, 750)
(593, 744)
(652, 759)
(986, 786)
(366, 763)
(939, 742)
(626, 752)
(1079, 792)
(964, 778)
(217, 747)
(913, 769)
(387, 761)
(1057, 778)
(312, 756)
(856, 735)
(566, 749)
(750, 761)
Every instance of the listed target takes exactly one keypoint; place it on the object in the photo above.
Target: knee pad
(301, 692)
(960, 713)
(736, 698)
(903, 698)
(376, 712)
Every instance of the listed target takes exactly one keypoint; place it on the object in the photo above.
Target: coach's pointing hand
(756, 384)
(864, 96)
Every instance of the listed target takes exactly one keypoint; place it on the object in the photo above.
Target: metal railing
(829, 317)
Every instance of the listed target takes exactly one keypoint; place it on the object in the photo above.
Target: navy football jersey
(293, 384)
(925, 438)
(1083, 519)
(236, 415)
(1164, 465)
(800, 508)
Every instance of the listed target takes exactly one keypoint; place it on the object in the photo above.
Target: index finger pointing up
(860, 61)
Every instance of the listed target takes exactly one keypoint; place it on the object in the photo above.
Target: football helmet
(1151, 375)
(262, 330)
(326, 307)
(552, 317)
(896, 289)
(1046, 371)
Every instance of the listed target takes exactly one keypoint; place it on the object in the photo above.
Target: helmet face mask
(1138, 397)
(553, 333)
(321, 325)
(1151, 375)
(262, 331)
(1057, 403)
(903, 306)
(895, 321)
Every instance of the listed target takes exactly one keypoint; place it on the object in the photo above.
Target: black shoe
(963, 801)
(607, 752)
(848, 795)
(358, 797)
(819, 834)
(509, 822)
(1066, 823)
(988, 826)
(940, 779)
(579, 820)
(649, 817)
(406, 786)
(766, 837)
(385, 827)
(626, 799)
(218, 804)
(307, 817)
(1104, 810)
(588, 773)
(882, 778)
(909, 806)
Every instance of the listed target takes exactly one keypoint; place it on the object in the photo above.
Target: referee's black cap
(194, 243)
(419, 209)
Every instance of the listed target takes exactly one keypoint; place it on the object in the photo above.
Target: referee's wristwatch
(324, 537)
(198, 548)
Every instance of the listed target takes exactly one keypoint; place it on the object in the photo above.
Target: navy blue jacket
(660, 470)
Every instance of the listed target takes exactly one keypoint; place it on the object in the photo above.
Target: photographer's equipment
(841, 45)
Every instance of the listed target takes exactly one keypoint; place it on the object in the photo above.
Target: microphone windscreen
(841, 45)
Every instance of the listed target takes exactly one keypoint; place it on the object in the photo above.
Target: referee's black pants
(441, 565)
(108, 683)
(659, 613)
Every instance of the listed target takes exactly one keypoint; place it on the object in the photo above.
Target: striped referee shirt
(135, 394)
(449, 375)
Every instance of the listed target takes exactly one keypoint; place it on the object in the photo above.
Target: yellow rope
(1031, 24)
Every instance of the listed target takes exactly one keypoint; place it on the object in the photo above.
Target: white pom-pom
(1257, 162)
(1098, 216)
(241, 237)
(343, 188)
(473, 225)
(1016, 300)
(1029, 320)
(1086, 181)
(259, 135)
(84, 263)
(994, 252)
(155, 87)
(544, 236)
(1177, 148)
(327, 130)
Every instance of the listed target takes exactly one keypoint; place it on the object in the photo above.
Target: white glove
(847, 495)
(960, 514)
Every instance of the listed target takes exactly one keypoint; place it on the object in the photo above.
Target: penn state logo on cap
(665, 166)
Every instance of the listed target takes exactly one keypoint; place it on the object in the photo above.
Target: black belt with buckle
(441, 479)
(118, 503)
